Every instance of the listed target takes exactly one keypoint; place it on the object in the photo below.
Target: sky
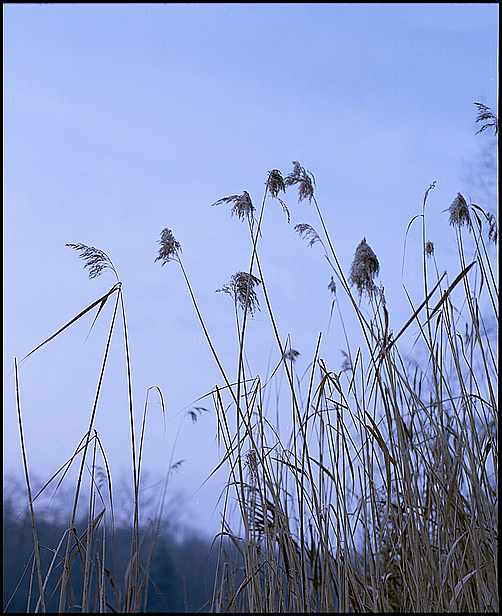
(123, 119)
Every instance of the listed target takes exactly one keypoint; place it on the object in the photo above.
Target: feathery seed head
(486, 115)
(307, 233)
(459, 212)
(243, 206)
(240, 288)
(275, 182)
(96, 260)
(304, 178)
(169, 247)
(364, 268)
(252, 464)
(433, 185)
(493, 231)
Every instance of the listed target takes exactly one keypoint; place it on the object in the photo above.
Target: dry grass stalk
(381, 497)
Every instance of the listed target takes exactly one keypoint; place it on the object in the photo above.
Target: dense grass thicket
(382, 495)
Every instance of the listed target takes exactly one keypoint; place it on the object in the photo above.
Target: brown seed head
(304, 178)
(459, 212)
(169, 247)
(238, 289)
(364, 268)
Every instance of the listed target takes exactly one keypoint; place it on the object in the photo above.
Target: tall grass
(86, 556)
(383, 493)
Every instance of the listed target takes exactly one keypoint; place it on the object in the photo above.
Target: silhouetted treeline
(182, 570)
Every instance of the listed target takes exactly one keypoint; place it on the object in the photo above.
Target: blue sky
(123, 119)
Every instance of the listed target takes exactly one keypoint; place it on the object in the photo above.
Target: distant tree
(181, 575)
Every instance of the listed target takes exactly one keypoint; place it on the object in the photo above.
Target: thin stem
(28, 487)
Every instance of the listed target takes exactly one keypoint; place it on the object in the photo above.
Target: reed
(381, 496)
(102, 590)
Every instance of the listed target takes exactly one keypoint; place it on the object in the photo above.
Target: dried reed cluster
(304, 178)
(493, 232)
(364, 268)
(275, 182)
(252, 464)
(486, 115)
(307, 232)
(95, 259)
(243, 206)
(459, 212)
(169, 247)
(241, 289)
